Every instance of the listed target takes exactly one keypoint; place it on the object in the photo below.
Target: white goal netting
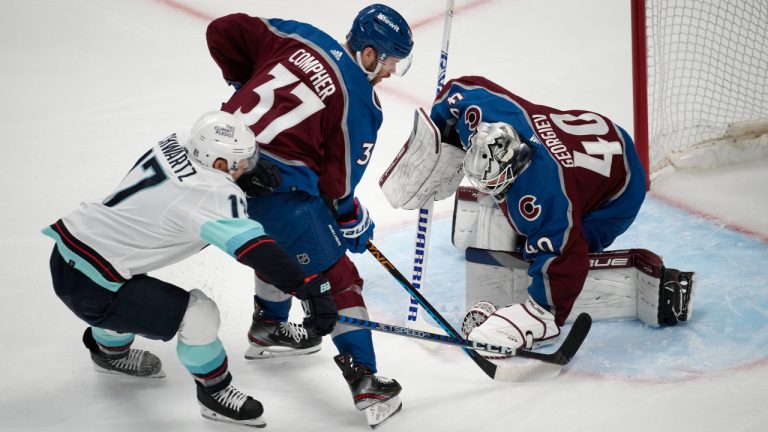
(707, 64)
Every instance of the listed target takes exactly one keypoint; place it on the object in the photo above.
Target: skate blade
(257, 352)
(100, 369)
(377, 414)
(207, 413)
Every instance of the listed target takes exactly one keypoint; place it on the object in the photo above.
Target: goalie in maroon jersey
(567, 183)
(311, 103)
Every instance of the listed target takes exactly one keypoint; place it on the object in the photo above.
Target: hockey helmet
(386, 31)
(221, 135)
(495, 158)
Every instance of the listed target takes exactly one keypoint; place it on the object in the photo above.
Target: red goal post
(700, 73)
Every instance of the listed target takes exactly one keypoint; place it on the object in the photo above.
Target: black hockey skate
(376, 396)
(270, 339)
(230, 405)
(131, 362)
(676, 295)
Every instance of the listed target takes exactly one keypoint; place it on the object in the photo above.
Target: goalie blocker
(622, 284)
(425, 167)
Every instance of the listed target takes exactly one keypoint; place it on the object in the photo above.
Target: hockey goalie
(551, 191)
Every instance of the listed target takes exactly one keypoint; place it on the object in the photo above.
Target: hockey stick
(563, 355)
(424, 225)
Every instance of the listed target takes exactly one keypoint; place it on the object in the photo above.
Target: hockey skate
(376, 396)
(676, 295)
(270, 339)
(131, 362)
(230, 405)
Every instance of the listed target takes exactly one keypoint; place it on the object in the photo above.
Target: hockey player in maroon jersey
(569, 183)
(311, 103)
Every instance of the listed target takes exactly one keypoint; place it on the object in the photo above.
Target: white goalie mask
(221, 135)
(495, 158)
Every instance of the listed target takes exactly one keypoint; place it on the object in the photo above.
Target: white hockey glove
(524, 325)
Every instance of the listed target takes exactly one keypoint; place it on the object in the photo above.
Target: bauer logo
(386, 20)
(225, 130)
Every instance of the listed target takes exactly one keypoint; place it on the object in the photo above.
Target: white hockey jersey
(167, 208)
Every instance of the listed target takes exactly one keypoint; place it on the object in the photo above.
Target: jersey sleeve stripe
(257, 242)
(88, 254)
(230, 235)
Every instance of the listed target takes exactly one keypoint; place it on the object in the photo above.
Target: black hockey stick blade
(569, 347)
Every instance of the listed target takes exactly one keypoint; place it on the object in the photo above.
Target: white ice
(87, 85)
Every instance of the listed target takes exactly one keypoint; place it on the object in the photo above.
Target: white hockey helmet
(495, 158)
(221, 135)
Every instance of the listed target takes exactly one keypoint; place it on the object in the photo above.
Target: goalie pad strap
(424, 167)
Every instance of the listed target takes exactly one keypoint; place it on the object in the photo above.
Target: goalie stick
(561, 357)
(567, 350)
(424, 225)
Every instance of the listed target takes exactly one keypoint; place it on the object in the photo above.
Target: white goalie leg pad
(500, 278)
(424, 167)
(609, 294)
(201, 322)
(516, 326)
(478, 222)
(620, 285)
(648, 299)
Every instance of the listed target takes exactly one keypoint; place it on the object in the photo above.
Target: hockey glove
(262, 181)
(525, 325)
(357, 228)
(319, 307)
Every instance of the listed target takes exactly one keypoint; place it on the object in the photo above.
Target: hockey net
(701, 86)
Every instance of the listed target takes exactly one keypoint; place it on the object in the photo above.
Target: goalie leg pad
(500, 278)
(624, 284)
(478, 222)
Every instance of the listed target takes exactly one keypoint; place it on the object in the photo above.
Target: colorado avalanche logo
(473, 116)
(528, 207)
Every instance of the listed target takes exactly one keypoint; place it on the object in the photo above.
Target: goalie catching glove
(526, 325)
(319, 306)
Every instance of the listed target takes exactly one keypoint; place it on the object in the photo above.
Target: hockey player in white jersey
(179, 197)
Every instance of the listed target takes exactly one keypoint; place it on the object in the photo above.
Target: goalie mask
(495, 158)
(221, 135)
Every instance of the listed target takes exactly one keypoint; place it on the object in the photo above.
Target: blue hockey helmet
(382, 28)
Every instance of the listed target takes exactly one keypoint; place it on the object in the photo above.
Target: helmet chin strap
(369, 74)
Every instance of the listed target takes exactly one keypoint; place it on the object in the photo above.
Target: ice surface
(86, 86)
